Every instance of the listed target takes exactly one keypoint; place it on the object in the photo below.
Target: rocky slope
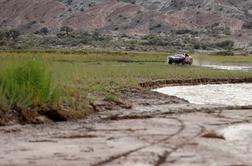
(201, 20)
(128, 16)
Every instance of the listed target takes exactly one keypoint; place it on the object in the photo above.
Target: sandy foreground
(154, 132)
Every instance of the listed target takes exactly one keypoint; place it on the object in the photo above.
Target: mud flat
(158, 130)
(196, 138)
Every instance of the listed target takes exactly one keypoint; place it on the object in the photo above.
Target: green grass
(26, 85)
(88, 75)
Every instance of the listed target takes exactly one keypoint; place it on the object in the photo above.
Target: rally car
(180, 59)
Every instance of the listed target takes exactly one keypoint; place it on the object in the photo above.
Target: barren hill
(209, 21)
(128, 16)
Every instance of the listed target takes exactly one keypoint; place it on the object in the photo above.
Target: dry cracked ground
(153, 133)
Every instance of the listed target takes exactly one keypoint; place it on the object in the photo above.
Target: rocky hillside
(209, 19)
(127, 16)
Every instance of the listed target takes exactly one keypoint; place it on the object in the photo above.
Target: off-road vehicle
(180, 59)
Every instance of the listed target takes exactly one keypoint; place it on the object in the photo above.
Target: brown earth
(37, 115)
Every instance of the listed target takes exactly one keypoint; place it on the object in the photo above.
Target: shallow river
(220, 94)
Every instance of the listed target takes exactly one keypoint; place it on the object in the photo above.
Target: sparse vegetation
(155, 40)
(67, 37)
(226, 45)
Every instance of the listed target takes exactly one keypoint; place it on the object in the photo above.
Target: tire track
(125, 154)
(162, 159)
(221, 115)
(112, 158)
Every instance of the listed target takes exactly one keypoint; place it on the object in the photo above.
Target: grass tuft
(27, 85)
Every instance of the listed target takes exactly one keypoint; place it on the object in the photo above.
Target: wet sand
(193, 138)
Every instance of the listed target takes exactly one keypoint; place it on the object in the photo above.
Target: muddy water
(239, 133)
(241, 67)
(220, 94)
(228, 67)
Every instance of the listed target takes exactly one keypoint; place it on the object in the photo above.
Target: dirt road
(153, 133)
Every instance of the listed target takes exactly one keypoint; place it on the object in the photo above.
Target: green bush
(27, 85)
(247, 25)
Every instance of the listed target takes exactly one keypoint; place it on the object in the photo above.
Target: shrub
(227, 44)
(27, 85)
(69, 2)
(12, 34)
(197, 46)
(154, 27)
(227, 31)
(43, 31)
(247, 25)
(184, 31)
(2, 35)
(66, 29)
